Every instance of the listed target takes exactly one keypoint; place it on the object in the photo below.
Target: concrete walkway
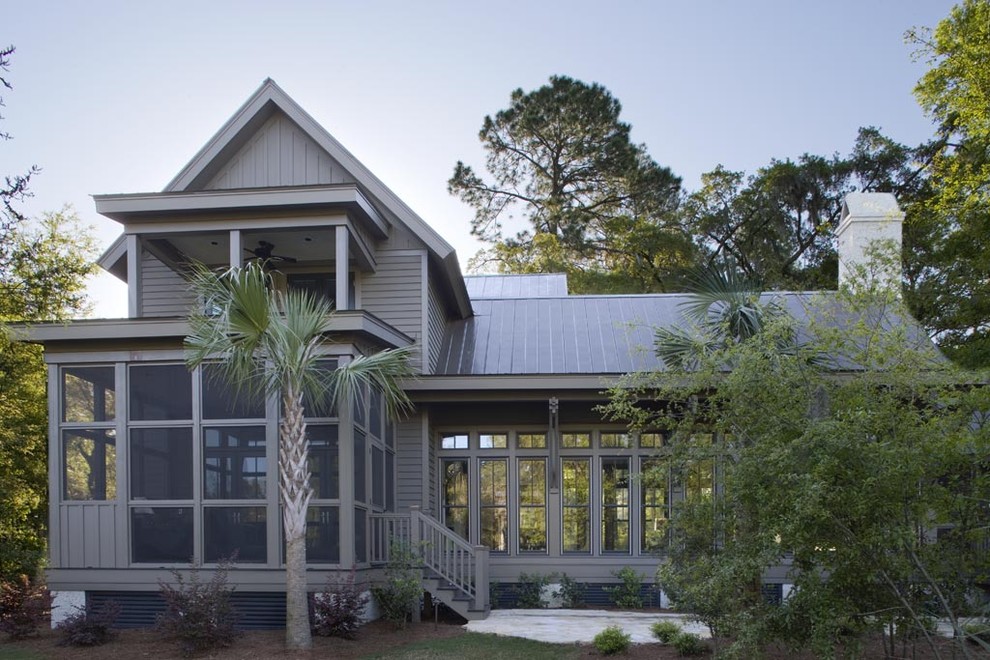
(568, 626)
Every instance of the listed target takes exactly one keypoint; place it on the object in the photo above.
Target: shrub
(529, 589)
(571, 592)
(24, 606)
(337, 611)
(89, 626)
(626, 594)
(612, 640)
(977, 631)
(688, 644)
(198, 615)
(400, 594)
(665, 630)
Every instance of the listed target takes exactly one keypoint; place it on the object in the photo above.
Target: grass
(476, 645)
(13, 653)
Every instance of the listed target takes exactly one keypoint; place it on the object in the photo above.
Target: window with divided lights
(531, 440)
(494, 504)
(532, 505)
(654, 482)
(454, 441)
(235, 464)
(455, 496)
(615, 504)
(88, 438)
(576, 503)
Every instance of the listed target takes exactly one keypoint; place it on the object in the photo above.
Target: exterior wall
(436, 323)
(396, 292)
(409, 463)
(163, 291)
(279, 154)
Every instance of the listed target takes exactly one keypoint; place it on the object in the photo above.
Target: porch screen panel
(229, 530)
(532, 505)
(235, 464)
(494, 504)
(455, 495)
(89, 462)
(323, 534)
(162, 534)
(221, 401)
(160, 392)
(162, 464)
(576, 503)
(360, 461)
(615, 505)
(88, 394)
(655, 512)
(324, 461)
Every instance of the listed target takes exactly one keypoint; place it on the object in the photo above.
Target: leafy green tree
(585, 200)
(955, 93)
(267, 343)
(43, 266)
(865, 472)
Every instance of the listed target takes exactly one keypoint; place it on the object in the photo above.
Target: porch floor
(568, 626)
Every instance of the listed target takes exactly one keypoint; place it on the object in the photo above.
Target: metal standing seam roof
(537, 285)
(609, 334)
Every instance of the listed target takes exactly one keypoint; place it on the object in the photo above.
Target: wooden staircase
(453, 571)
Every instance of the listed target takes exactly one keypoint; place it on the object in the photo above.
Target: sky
(116, 97)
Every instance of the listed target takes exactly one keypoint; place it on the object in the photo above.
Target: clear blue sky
(117, 96)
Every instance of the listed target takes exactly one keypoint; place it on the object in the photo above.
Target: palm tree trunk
(293, 474)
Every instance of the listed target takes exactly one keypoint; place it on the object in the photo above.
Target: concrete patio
(568, 626)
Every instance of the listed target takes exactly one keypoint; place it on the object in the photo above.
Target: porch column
(133, 276)
(345, 475)
(341, 273)
(236, 248)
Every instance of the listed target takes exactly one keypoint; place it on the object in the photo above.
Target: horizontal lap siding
(437, 325)
(163, 291)
(394, 293)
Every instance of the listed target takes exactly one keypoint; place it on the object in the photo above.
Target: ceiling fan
(265, 252)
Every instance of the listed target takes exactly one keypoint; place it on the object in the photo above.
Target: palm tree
(267, 343)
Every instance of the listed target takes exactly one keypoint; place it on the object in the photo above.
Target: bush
(337, 611)
(688, 644)
(977, 631)
(612, 640)
(24, 606)
(198, 615)
(403, 587)
(89, 626)
(571, 592)
(665, 631)
(627, 593)
(529, 589)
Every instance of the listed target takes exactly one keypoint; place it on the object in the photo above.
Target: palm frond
(381, 371)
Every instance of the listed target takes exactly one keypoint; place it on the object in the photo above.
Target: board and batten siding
(395, 292)
(279, 154)
(437, 323)
(163, 291)
(87, 535)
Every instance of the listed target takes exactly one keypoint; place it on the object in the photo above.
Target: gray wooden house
(503, 468)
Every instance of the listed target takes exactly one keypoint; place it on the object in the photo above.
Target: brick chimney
(870, 221)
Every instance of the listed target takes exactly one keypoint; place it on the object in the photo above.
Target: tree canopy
(581, 197)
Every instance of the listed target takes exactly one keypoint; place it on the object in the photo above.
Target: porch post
(236, 248)
(134, 287)
(341, 268)
(481, 577)
(345, 447)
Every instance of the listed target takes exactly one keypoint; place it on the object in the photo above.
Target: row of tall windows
(602, 476)
(223, 506)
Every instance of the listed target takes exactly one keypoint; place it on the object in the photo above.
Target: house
(505, 466)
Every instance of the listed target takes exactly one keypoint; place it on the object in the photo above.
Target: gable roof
(268, 102)
(536, 285)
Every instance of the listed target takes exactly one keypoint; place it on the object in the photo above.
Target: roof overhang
(508, 387)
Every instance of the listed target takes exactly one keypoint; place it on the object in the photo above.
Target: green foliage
(401, 593)
(593, 204)
(198, 615)
(529, 587)
(337, 610)
(24, 607)
(664, 630)
(571, 592)
(89, 626)
(688, 644)
(626, 594)
(611, 641)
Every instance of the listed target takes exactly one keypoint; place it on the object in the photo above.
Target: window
(531, 441)
(160, 392)
(454, 441)
(493, 440)
(89, 460)
(360, 535)
(494, 504)
(615, 504)
(654, 480)
(378, 477)
(242, 530)
(323, 461)
(88, 394)
(616, 440)
(360, 461)
(654, 440)
(576, 503)
(220, 401)
(575, 440)
(162, 534)
(162, 464)
(455, 496)
(235, 464)
(532, 505)
(700, 478)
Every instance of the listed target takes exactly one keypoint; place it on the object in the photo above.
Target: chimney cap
(870, 205)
